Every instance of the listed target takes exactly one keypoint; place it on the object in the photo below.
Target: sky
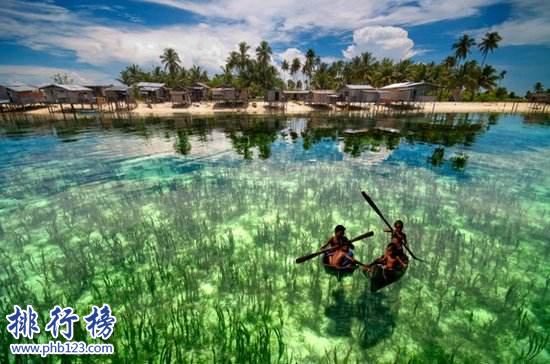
(93, 40)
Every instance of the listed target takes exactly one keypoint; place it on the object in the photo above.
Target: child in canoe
(399, 239)
(391, 260)
(336, 241)
(343, 257)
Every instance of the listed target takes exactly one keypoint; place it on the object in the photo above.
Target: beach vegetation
(458, 76)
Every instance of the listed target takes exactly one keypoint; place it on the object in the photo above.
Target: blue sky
(93, 41)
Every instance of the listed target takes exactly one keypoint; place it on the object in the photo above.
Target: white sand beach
(209, 108)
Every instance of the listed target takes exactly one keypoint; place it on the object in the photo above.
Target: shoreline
(261, 108)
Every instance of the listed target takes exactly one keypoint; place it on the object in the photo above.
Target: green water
(189, 227)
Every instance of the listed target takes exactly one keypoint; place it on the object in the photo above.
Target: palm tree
(352, 70)
(386, 73)
(263, 53)
(62, 79)
(295, 66)
(171, 61)
(538, 87)
(468, 77)
(403, 70)
(309, 65)
(501, 76)
(226, 76)
(449, 62)
(367, 62)
(447, 70)
(157, 75)
(336, 71)
(196, 74)
(322, 79)
(131, 75)
(263, 57)
(232, 61)
(488, 44)
(488, 78)
(243, 59)
(290, 84)
(462, 47)
(284, 67)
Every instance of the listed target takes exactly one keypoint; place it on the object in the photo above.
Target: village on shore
(157, 99)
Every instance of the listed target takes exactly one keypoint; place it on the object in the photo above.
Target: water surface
(189, 227)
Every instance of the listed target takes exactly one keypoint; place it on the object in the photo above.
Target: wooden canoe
(380, 277)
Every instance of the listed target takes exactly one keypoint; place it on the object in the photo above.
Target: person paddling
(344, 248)
(391, 260)
(337, 239)
(343, 257)
(399, 238)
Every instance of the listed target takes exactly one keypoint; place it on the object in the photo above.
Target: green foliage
(456, 77)
(62, 79)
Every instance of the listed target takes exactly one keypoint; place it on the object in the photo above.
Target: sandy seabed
(206, 108)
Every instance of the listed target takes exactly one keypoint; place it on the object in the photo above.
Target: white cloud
(529, 25)
(330, 59)
(391, 42)
(36, 75)
(523, 32)
(428, 11)
(377, 27)
(289, 54)
(54, 30)
(283, 15)
(200, 44)
(289, 15)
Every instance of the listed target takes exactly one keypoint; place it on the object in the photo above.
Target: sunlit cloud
(37, 75)
(390, 42)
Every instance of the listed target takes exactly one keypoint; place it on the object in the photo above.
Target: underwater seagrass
(189, 227)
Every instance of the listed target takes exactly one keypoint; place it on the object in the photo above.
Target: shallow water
(189, 228)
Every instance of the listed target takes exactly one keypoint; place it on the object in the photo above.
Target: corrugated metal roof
(117, 88)
(150, 84)
(200, 84)
(359, 87)
(323, 91)
(68, 87)
(148, 88)
(98, 85)
(397, 85)
(298, 92)
(405, 85)
(21, 88)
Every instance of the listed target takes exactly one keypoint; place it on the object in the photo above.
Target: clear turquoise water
(189, 228)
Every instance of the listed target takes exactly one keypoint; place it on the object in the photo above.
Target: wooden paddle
(313, 255)
(377, 210)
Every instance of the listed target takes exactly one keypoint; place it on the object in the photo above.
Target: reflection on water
(189, 226)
